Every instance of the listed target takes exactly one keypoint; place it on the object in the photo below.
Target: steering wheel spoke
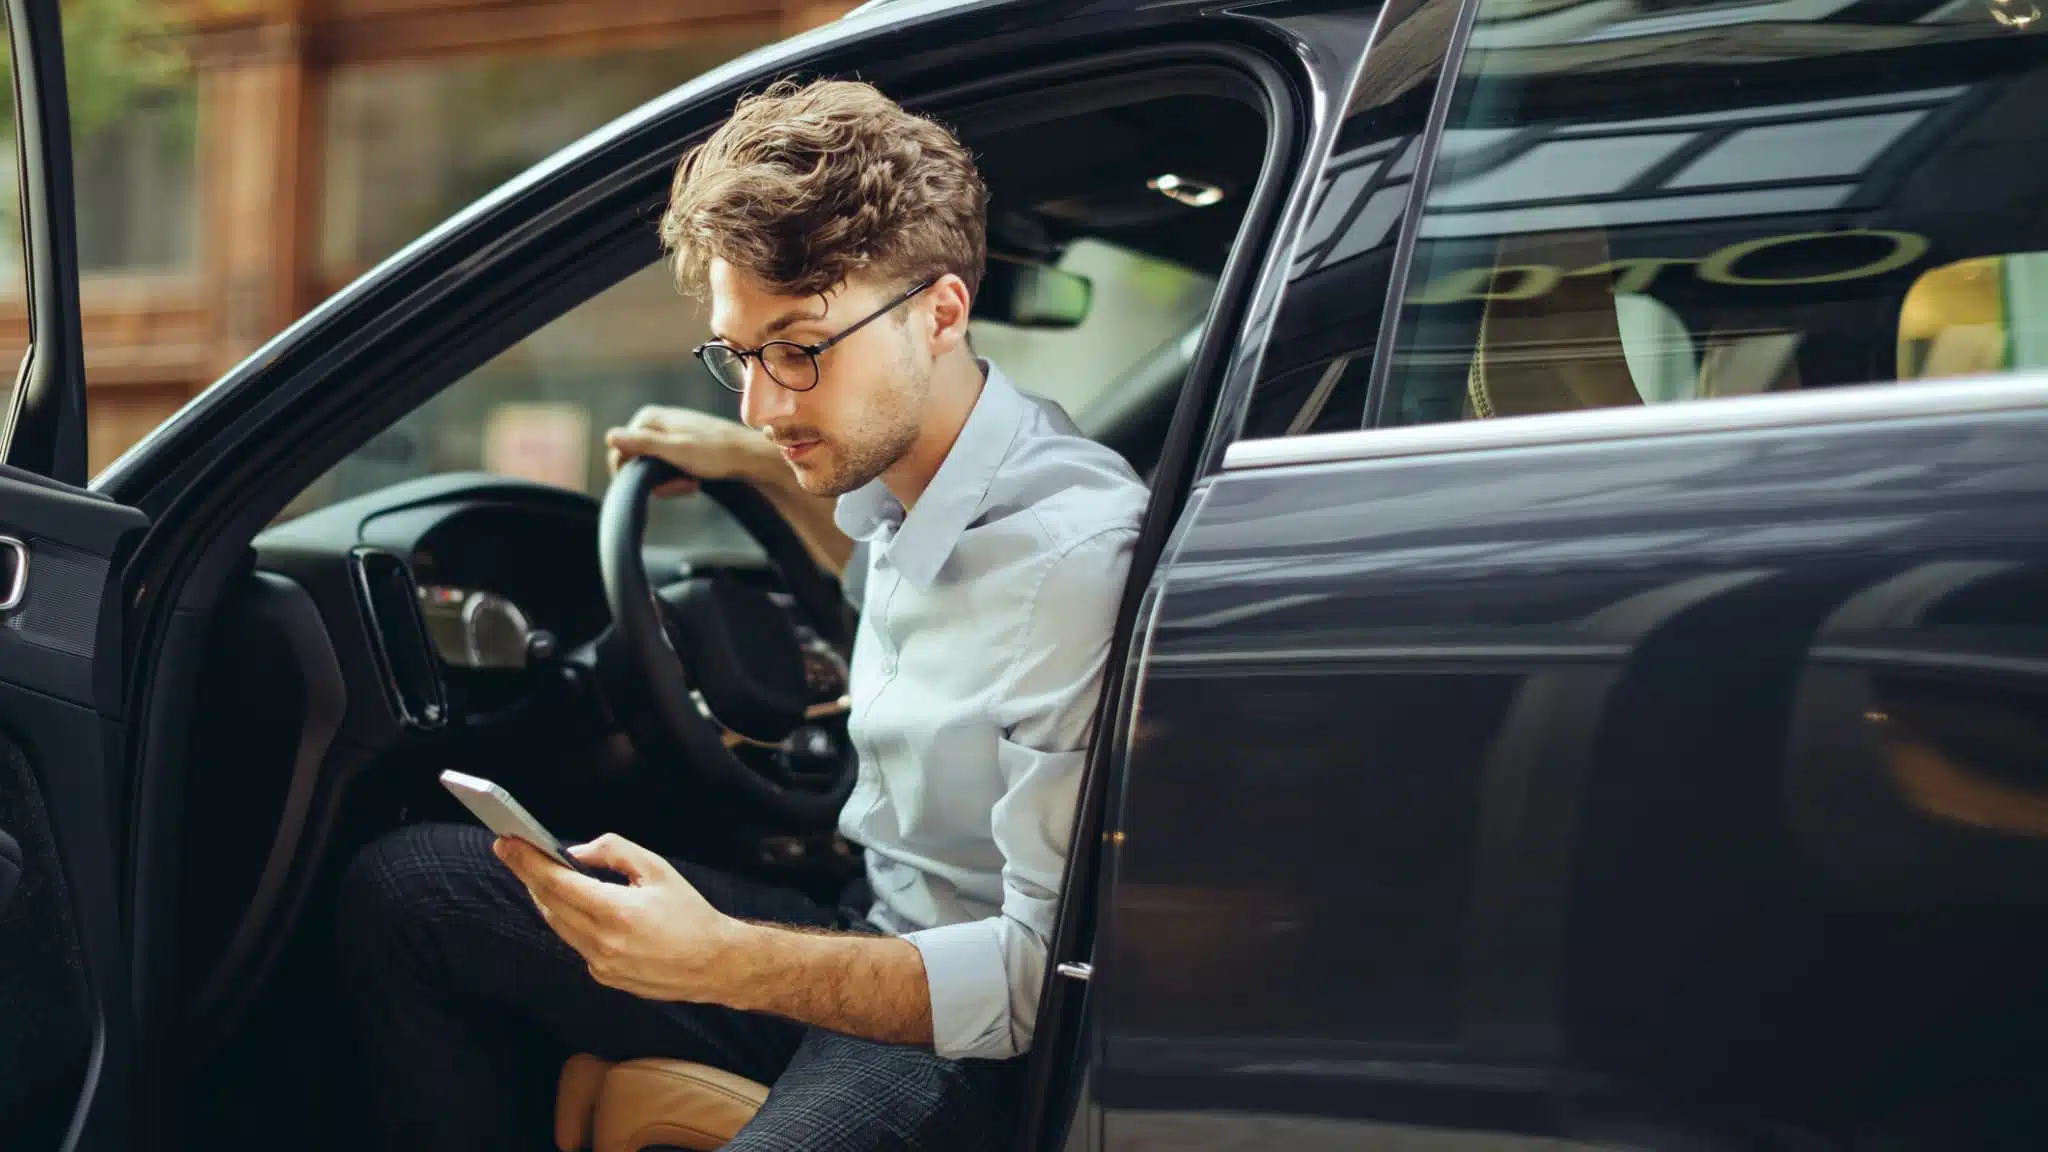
(813, 714)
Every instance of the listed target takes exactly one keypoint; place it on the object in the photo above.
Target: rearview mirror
(1024, 294)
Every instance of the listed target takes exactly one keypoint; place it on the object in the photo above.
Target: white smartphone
(506, 816)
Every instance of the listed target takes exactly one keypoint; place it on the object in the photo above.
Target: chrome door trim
(2005, 392)
(16, 588)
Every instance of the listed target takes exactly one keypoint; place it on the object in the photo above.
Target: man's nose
(764, 401)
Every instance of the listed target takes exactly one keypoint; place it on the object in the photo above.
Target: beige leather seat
(624, 1107)
(1557, 351)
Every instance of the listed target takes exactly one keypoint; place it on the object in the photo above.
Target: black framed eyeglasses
(788, 363)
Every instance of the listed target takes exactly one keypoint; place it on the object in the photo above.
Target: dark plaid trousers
(452, 978)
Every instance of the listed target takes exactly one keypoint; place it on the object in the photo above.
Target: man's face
(870, 400)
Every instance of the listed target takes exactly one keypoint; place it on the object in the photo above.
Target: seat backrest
(1558, 350)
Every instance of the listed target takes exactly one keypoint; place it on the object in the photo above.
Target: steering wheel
(714, 662)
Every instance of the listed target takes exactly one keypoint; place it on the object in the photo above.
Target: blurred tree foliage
(120, 57)
(117, 53)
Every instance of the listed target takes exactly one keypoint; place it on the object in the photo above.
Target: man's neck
(955, 389)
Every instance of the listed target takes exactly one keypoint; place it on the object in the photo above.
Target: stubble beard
(887, 433)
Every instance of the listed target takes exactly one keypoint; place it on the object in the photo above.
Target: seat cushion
(634, 1104)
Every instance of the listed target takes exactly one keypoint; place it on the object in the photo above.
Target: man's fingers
(535, 869)
(623, 444)
(629, 441)
(621, 855)
(649, 416)
(578, 926)
(557, 893)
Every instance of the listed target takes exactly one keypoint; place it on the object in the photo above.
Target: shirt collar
(957, 493)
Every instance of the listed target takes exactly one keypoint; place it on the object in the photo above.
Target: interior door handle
(13, 572)
(10, 870)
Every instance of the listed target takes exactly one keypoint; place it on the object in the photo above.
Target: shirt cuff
(970, 990)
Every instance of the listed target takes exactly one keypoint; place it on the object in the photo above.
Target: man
(840, 241)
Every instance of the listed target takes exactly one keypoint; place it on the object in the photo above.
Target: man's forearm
(873, 987)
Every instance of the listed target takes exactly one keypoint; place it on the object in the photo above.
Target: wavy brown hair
(807, 185)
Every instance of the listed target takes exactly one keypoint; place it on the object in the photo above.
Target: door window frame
(1324, 167)
(44, 430)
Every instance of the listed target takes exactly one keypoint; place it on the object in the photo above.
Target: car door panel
(47, 1030)
(64, 1024)
(1688, 778)
(66, 539)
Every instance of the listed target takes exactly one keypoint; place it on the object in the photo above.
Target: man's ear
(950, 310)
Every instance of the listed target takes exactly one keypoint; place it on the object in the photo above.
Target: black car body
(1491, 758)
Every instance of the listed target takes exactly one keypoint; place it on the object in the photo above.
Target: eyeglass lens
(788, 364)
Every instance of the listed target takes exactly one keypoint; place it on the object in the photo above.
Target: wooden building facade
(303, 140)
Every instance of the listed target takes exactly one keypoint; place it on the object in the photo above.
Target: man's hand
(705, 446)
(658, 938)
(655, 937)
(713, 448)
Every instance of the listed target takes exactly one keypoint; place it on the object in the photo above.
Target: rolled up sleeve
(985, 975)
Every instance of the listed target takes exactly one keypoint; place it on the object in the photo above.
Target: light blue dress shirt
(985, 626)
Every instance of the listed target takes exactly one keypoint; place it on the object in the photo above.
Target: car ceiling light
(1193, 193)
(2014, 14)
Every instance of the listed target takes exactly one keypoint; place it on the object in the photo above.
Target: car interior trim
(389, 601)
(1861, 403)
(243, 964)
(813, 713)
(14, 563)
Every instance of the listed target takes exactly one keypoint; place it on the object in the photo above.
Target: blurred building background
(239, 160)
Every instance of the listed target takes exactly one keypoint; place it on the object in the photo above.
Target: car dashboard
(467, 587)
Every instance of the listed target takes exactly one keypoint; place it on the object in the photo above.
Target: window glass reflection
(1655, 203)
(410, 143)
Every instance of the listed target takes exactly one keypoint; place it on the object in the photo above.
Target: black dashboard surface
(530, 543)
(533, 545)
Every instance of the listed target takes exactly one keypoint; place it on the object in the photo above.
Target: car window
(1635, 208)
(132, 86)
(539, 410)
(1986, 314)
(1318, 361)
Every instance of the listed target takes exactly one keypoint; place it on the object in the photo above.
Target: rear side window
(1640, 207)
(1318, 360)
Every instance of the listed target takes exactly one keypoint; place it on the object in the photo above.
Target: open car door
(67, 1035)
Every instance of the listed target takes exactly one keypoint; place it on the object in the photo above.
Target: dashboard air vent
(398, 636)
